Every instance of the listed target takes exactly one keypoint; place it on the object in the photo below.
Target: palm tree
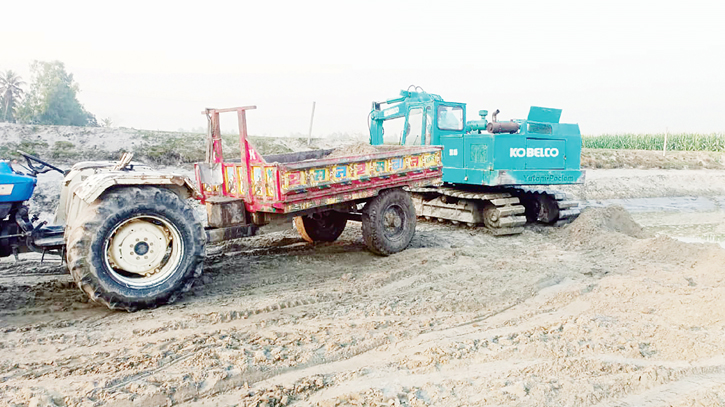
(10, 91)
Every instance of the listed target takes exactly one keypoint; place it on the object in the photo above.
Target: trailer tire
(106, 248)
(321, 227)
(388, 222)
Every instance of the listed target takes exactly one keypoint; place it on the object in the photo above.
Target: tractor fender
(86, 186)
(95, 185)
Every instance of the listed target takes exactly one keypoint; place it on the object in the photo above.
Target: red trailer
(320, 192)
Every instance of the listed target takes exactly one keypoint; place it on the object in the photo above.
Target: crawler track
(499, 211)
(502, 211)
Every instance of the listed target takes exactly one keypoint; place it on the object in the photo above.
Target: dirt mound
(594, 221)
(612, 231)
(353, 150)
(609, 227)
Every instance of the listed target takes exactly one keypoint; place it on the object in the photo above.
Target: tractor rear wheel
(137, 247)
(388, 222)
(321, 227)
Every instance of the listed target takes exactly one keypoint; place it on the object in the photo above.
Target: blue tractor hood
(15, 187)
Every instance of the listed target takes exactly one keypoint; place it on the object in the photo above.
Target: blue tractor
(494, 172)
(17, 232)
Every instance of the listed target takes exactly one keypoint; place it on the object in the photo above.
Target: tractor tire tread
(84, 264)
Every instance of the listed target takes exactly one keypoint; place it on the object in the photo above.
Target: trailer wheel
(321, 227)
(136, 248)
(388, 222)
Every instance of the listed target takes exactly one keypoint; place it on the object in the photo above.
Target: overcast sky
(612, 66)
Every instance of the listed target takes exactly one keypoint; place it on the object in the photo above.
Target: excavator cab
(415, 118)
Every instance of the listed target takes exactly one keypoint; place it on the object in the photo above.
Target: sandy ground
(615, 309)
(602, 312)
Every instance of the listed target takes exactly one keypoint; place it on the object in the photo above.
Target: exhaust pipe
(496, 127)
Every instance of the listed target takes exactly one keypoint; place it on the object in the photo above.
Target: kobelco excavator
(495, 173)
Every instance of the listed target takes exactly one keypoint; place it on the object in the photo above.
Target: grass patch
(63, 150)
(9, 151)
(170, 148)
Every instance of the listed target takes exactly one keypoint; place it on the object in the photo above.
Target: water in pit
(689, 219)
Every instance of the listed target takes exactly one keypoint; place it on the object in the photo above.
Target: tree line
(50, 99)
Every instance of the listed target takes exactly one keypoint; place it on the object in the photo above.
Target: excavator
(495, 173)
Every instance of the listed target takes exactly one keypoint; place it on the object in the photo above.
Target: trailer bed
(287, 183)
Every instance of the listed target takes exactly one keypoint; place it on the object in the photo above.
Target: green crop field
(680, 141)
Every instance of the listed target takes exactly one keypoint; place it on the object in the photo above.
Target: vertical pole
(664, 147)
(209, 140)
(216, 140)
(312, 117)
(246, 165)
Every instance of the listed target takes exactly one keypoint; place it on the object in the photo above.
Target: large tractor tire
(321, 227)
(388, 222)
(136, 247)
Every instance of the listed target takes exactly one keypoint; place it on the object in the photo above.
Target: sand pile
(613, 230)
(352, 150)
(609, 227)
(612, 219)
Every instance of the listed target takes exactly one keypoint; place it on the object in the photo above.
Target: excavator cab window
(393, 131)
(450, 118)
(414, 128)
